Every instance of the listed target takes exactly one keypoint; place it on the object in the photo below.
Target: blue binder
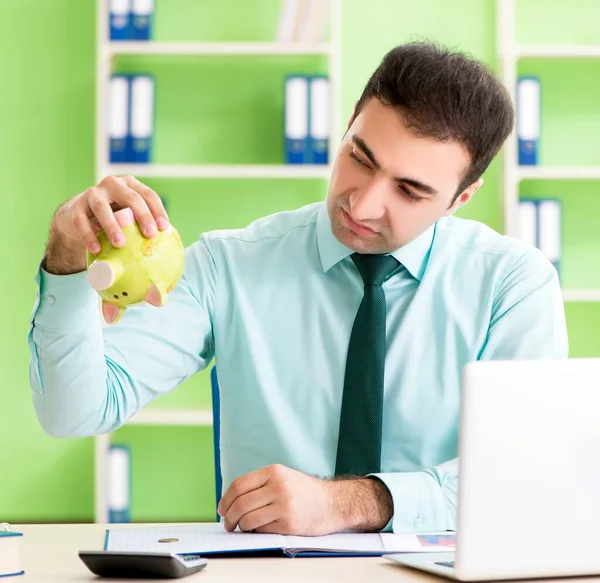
(142, 118)
(296, 119)
(119, 108)
(119, 19)
(528, 120)
(319, 115)
(142, 16)
(119, 484)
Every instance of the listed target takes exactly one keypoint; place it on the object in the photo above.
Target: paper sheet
(192, 538)
(212, 537)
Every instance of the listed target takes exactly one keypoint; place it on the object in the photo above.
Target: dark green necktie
(359, 443)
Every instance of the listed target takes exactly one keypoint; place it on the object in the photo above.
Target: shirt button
(418, 522)
(50, 300)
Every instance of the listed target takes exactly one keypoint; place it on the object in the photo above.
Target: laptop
(529, 462)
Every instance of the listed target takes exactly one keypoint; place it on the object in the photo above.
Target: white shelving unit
(558, 51)
(509, 52)
(581, 295)
(106, 52)
(558, 173)
(211, 49)
(291, 171)
(172, 417)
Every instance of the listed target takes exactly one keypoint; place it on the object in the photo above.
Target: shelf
(220, 171)
(216, 48)
(558, 173)
(559, 51)
(172, 417)
(581, 295)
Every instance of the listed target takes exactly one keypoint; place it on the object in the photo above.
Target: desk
(49, 555)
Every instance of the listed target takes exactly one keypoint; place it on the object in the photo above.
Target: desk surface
(49, 555)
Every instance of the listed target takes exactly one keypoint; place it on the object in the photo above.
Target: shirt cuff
(418, 502)
(62, 300)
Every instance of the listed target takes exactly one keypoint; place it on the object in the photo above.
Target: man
(339, 330)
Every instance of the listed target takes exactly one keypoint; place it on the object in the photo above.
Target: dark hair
(447, 96)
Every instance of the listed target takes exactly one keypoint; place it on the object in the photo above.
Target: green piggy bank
(143, 270)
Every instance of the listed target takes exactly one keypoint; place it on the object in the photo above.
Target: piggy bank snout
(101, 275)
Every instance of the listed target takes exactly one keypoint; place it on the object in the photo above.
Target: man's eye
(405, 191)
(410, 194)
(358, 160)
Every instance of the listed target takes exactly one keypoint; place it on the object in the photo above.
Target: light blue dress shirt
(274, 303)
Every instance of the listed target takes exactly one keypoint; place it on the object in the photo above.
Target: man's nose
(368, 203)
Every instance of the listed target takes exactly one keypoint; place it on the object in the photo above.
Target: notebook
(10, 560)
(213, 539)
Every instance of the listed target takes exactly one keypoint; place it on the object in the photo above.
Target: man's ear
(464, 197)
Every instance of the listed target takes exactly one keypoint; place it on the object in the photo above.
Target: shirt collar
(413, 255)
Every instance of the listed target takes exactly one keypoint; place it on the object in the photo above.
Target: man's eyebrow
(417, 184)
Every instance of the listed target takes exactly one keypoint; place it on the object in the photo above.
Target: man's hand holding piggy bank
(120, 231)
(144, 269)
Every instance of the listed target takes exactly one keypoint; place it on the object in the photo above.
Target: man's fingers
(273, 527)
(118, 191)
(261, 520)
(247, 504)
(152, 199)
(126, 196)
(98, 203)
(85, 232)
(240, 486)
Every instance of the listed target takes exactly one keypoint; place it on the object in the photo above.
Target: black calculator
(142, 565)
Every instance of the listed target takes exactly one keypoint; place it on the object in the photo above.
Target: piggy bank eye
(125, 294)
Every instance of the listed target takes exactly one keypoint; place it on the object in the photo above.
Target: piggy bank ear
(111, 313)
(156, 294)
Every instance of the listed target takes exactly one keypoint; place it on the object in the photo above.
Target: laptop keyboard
(446, 564)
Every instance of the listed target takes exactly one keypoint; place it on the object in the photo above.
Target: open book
(213, 539)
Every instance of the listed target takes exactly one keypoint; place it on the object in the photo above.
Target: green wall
(214, 110)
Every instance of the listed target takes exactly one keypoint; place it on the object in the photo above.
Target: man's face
(388, 185)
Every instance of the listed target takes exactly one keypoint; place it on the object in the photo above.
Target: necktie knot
(375, 269)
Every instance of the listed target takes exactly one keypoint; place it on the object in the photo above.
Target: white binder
(119, 19)
(320, 114)
(528, 222)
(142, 117)
(550, 231)
(119, 484)
(118, 119)
(296, 119)
(528, 120)
(141, 18)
